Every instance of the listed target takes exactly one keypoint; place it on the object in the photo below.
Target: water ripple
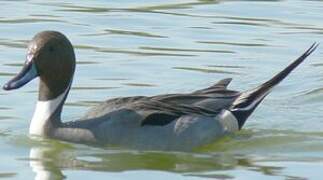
(8, 174)
(318, 91)
(240, 23)
(131, 52)
(93, 88)
(226, 66)
(234, 43)
(7, 117)
(12, 44)
(186, 50)
(143, 8)
(6, 74)
(126, 32)
(28, 20)
(139, 84)
(205, 70)
(83, 103)
(87, 62)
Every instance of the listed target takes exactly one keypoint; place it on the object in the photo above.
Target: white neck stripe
(43, 111)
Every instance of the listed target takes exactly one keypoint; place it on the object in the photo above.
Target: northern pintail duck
(163, 122)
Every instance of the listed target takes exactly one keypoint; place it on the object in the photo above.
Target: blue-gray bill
(28, 73)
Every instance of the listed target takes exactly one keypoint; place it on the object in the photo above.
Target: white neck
(44, 109)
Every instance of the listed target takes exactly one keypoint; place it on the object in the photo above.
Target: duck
(182, 121)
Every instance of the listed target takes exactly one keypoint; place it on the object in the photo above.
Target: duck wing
(215, 97)
(163, 109)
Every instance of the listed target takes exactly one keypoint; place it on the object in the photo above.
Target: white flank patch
(44, 109)
(228, 121)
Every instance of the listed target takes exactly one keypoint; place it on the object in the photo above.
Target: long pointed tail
(247, 102)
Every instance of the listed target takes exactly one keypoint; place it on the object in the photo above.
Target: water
(148, 48)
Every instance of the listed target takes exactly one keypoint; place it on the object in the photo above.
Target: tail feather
(246, 103)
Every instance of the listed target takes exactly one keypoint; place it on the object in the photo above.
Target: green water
(152, 47)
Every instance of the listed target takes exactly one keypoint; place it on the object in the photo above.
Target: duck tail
(247, 102)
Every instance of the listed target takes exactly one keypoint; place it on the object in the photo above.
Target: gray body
(193, 120)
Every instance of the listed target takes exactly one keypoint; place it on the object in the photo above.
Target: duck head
(50, 57)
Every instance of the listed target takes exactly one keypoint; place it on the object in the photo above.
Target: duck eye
(51, 49)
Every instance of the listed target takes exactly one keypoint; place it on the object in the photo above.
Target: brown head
(50, 57)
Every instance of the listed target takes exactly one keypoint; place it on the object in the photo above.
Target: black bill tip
(27, 74)
(6, 87)
(10, 85)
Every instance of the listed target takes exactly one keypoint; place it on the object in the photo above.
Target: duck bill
(28, 73)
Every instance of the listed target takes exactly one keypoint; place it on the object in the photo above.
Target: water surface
(153, 47)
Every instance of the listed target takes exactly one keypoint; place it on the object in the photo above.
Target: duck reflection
(42, 162)
(51, 162)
